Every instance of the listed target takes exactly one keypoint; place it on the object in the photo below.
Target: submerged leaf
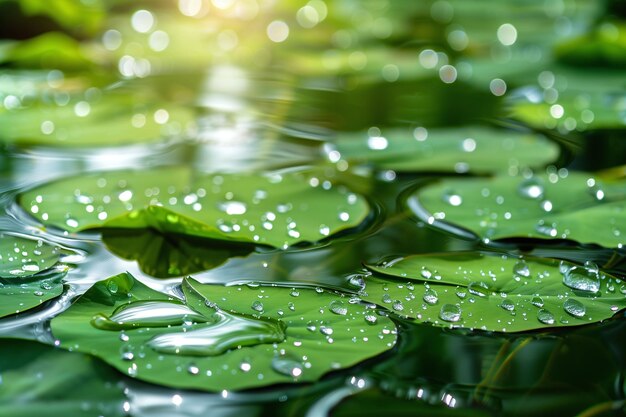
(476, 149)
(577, 207)
(277, 208)
(247, 336)
(493, 292)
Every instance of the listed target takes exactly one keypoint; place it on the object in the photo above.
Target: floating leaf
(163, 256)
(277, 209)
(604, 45)
(82, 120)
(576, 207)
(40, 380)
(22, 257)
(573, 100)
(477, 149)
(226, 337)
(495, 293)
(27, 276)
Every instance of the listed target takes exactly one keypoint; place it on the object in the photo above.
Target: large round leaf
(224, 338)
(39, 380)
(98, 119)
(478, 149)
(496, 293)
(276, 209)
(576, 207)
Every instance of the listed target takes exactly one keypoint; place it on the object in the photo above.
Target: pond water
(322, 208)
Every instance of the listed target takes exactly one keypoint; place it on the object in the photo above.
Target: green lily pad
(225, 337)
(28, 276)
(495, 293)
(573, 100)
(547, 206)
(277, 209)
(81, 122)
(40, 380)
(22, 257)
(477, 149)
(604, 45)
(167, 255)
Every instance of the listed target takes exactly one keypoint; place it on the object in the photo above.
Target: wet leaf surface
(577, 207)
(476, 149)
(494, 292)
(284, 334)
(272, 209)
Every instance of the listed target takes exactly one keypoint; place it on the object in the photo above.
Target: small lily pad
(494, 292)
(577, 207)
(277, 209)
(22, 257)
(224, 337)
(28, 276)
(477, 149)
(81, 121)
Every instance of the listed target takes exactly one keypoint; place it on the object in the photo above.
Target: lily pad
(573, 100)
(82, 120)
(22, 257)
(479, 149)
(494, 292)
(277, 209)
(40, 380)
(577, 207)
(168, 255)
(225, 337)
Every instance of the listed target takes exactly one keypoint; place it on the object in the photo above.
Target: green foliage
(492, 292)
(285, 334)
(477, 149)
(270, 209)
(547, 206)
(40, 380)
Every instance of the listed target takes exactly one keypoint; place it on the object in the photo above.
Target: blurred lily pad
(277, 208)
(167, 255)
(97, 119)
(494, 292)
(51, 50)
(478, 149)
(577, 207)
(605, 45)
(40, 380)
(222, 337)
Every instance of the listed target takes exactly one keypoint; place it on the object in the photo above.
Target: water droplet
(370, 319)
(574, 307)
(193, 369)
(531, 188)
(582, 279)
(112, 287)
(479, 289)
(147, 313)
(397, 305)
(545, 317)
(287, 366)
(228, 332)
(450, 312)
(294, 292)
(325, 330)
(338, 307)
(233, 207)
(508, 305)
(521, 269)
(452, 198)
(257, 306)
(430, 296)
(537, 302)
